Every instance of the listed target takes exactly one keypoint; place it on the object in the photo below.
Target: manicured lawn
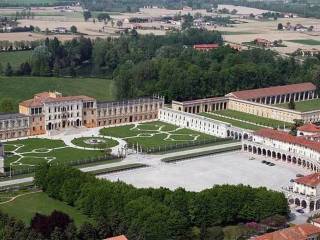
(32, 152)
(105, 142)
(304, 106)
(21, 88)
(156, 135)
(253, 119)
(232, 122)
(25, 207)
(14, 58)
(311, 42)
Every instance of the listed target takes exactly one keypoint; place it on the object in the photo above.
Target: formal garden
(24, 155)
(159, 136)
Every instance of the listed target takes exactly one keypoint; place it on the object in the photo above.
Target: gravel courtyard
(200, 173)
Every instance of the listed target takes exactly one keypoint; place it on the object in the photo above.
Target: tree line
(159, 214)
(56, 226)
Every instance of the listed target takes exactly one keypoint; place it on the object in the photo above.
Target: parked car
(299, 175)
(271, 164)
(300, 210)
(264, 161)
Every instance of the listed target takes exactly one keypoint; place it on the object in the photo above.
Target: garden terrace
(304, 106)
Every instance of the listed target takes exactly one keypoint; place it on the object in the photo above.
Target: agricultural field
(156, 135)
(30, 2)
(21, 88)
(253, 119)
(14, 58)
(28, 153)
(304, 106)
(24, 204)
(233, 122)
(311, 42)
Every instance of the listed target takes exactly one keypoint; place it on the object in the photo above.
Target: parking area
(204, 172)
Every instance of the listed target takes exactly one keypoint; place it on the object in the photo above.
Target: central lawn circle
(95, 142)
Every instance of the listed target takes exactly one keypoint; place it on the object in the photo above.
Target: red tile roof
(273, 91)
(309, 128)
(298, 232)
(205, 46)
(122, 237)
(288, 138)
(311, 180)
(45, 97)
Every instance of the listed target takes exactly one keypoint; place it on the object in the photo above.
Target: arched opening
(291, 201)
(304, 163)
(303, 204)
(311, 206)
(297, 202)
(250, 148)
(318, 204)
(278, 155)
(308, 165)
(294, 160)
(254, 150)
(299, 161)
(259, 151)
(269, 153)
(284, 157)
(240, 136)
(228, 133)
(264, 152)
(245, 147)
(245, 136)
(274, 154)
(78, 122)
(236, 136)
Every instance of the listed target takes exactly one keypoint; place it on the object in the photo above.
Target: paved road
(148, 159)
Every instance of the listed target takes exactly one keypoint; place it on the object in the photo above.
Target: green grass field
(26, 206)
(22, 88)
(14, 58)
(233, 122)
(311, 42)
(31, 152)
(254, 119)
(105, 143)
(155, 134)
(304, 106)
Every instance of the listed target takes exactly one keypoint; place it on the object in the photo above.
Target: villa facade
(50, 111)
(305, 192)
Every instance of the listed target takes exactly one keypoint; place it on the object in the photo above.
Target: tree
(214, 233)
(103, 17)
(119, 23)
(292, 104)
(73, 29)
(86, 15)
(40, 61)
(8, 71)
(280, 26)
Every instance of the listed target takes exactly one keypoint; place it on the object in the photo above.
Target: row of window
(125, 110)
(10, 124)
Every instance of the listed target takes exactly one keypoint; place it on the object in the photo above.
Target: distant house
(262, 42)
(205, 47)
(60, 30)
(122, 237)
